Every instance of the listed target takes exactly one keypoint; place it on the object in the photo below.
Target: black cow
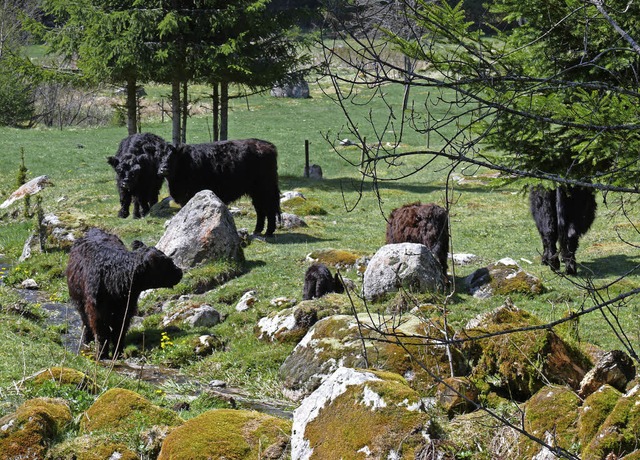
(230, 169)
(136, 166)
(426, 224)
(105, 280)
(563, 215)
(318, 281)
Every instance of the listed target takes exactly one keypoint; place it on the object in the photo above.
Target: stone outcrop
(614, 368)
(202, 230)
(363, 413)
(408, 265)
(340, 340)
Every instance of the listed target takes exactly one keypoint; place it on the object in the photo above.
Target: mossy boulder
(518, 364)
(230, 434)
(65, 376)
(595, 410)
(122, 411)
(339, 258)
(552, 416)
(503, 278)
(361, 414)
(29, 430)
(339, 340)
(291, 324)
(91, 448)
(620, 431)
(302, 206)
(457, 395)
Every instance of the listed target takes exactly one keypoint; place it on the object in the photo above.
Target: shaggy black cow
(426, 224)
(562, 215)
(136, 165)
(230, 169)
(318, 281)
(105, 280)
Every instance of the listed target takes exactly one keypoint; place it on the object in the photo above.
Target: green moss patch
(120, 410)
(620, 431)
(339, 258)
(517, 365)
(66, 376)
(230, 434)
(551, 412)
(91, 448)
(27, 432)
(304, 207)
(594, 411)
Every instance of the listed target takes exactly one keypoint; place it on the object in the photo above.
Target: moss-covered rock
(304, 207)
(457, 395)
(338, 341)
(620, 431)
(27, 432)
(503, 278)
(518, 364)
(361, 414)
(291, 324)
(65, 376)
(551, 415)
(122, 411)
(91, 448)
(595, 410)
(229, 434)
(338, 258)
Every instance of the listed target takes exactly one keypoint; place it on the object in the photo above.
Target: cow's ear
(113, 161)
(136, 167)
(137, 244)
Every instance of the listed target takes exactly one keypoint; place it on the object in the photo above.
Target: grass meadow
(490, 222)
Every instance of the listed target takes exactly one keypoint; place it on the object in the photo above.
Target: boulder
(517, 364)
(202, 230)
(594, 411)
(53, 233)
(341, 340)
(313, 172)
(122, 411)
(290, 195)
(194, 316)
(30, 429)
(615, 368)
(64, 376)
(361, 414)
(457, 395)
(503, 278)
(247, 301)
(298, 89)
(408, 265)
(228, 433)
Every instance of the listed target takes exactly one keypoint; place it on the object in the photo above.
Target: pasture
(490, 222)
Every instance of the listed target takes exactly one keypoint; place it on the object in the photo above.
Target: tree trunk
(175, 112)
(185, 111)
(215, 102)
(224, 110)
(132, 107)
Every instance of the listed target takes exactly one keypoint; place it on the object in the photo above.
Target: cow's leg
(136, 208)
(125, 202)
(543, 210)
(568, 248)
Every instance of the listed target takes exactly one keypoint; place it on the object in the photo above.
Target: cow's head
(168, 164)
(128, 171)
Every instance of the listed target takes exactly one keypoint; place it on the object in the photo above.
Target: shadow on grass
(350, 185)
(614, 265)
(295, 238)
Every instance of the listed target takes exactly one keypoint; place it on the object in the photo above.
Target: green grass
(490, 222)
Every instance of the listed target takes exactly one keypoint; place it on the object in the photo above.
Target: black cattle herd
(105, 278)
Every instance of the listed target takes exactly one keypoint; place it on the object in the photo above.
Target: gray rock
(615, 368)
(291, 221)
(202, 230)
(29, 283)
(247, 301)
(297, 90)
(408, 265)
(314, 172)
(201, 316)
(290, 195)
